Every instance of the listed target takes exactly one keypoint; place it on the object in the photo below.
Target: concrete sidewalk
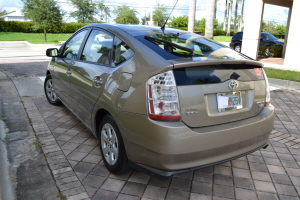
(24, 170)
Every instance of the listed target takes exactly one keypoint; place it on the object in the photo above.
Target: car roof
(135, 30)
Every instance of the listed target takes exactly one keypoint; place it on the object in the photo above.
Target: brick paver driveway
(74, 157)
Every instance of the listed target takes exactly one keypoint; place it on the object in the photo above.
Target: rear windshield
(216, 74)
(173, 46)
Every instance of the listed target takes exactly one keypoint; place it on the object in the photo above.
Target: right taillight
(268, 94)
(162, 97)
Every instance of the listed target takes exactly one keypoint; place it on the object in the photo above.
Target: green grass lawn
(34, 38)
(283, 74)
(222, 38)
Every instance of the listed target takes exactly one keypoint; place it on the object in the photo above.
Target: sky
(271, 12)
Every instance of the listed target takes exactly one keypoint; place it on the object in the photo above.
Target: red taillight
(162, 97)
(258, 71)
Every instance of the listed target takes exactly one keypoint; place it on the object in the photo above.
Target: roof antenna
(163, 26)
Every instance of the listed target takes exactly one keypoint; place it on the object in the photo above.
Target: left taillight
(268, 94)
(162, 95)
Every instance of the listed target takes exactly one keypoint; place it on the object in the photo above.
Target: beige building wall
(292, 53)
(252, 26)
(251, 36)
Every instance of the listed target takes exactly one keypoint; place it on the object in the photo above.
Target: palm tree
(101, 7)
(105, 9)
(225, 16)
(229, 17)
(107, 13)
(235, 14)
(210, 13)
(242, 13)
(192, 12)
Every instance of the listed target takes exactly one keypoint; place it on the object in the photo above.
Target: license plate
(229, 101)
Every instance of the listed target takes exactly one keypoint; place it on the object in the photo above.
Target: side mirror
(53, 52)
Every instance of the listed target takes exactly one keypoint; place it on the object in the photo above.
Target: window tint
(122, 52)
(98, 47)
(72, 46)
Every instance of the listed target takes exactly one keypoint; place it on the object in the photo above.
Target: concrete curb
(285, 84)
(29, 44)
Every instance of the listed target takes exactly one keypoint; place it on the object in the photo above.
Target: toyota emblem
(233, 84)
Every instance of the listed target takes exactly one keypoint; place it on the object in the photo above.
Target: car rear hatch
(221, 91)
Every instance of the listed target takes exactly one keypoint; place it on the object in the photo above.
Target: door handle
(97, 82)
(69, 72)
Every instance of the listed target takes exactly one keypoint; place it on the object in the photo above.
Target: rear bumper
(154, 171)
(172, 146)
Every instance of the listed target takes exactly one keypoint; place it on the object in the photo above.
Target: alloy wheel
(50, 90)
(109, 144)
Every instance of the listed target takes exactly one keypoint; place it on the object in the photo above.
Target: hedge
(27, 27)
(217, 32)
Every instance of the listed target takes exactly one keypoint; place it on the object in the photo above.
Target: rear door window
(98, 48)
(122, 52)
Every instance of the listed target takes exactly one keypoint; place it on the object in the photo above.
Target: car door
(63, 66)
(90, 73)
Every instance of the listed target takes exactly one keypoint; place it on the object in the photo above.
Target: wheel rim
(238, 48)
(50, 90)
(109, 144)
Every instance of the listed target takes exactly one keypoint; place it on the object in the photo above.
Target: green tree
(4, 12)
(125, 15)
(160, 13)
(281, 29)
(270, 27)
(46, 13)
(181, 21)
(85, 10)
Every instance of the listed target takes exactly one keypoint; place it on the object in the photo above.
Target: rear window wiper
(171, 44)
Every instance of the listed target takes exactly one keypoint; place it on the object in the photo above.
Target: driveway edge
(66, 180)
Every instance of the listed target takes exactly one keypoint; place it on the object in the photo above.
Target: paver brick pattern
(74, 157)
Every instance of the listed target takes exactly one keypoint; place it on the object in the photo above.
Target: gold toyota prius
(161, 101)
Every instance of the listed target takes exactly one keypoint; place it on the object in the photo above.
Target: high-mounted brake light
(162, 97)
(258, 71)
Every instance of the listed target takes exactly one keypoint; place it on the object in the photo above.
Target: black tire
(49, 91)
(112, 146)
(237, 48)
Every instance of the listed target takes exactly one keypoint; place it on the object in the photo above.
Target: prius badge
(233, 84)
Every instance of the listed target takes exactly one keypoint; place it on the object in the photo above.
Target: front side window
(122, 52)
(98, 47)
(72, 46)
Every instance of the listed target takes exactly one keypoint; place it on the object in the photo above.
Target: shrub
(217, 32)
(270, 51)
(27, 27)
